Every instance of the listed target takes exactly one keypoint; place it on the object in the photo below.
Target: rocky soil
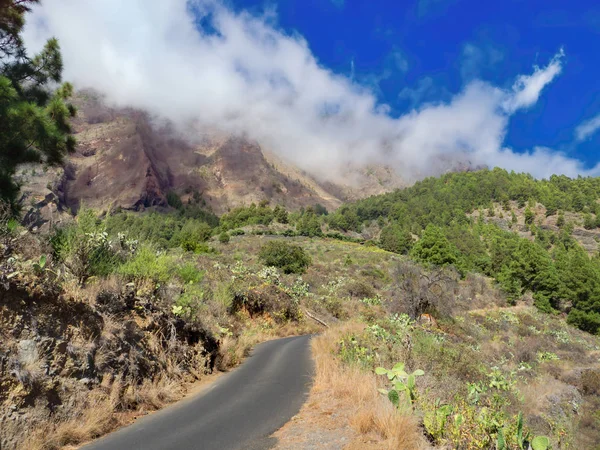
(56, 352)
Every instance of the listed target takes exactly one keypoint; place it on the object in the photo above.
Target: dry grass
(88, 293)
(105, 410)
(233, 349)
(96, 419)
(354, 393)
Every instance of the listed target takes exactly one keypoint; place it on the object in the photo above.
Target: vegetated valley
(470, 300)
(461, 312)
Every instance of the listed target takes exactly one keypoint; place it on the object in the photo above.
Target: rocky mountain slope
(127, 159)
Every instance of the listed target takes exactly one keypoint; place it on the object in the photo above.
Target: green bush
(224, 237)
(149, 264)
(84, 247)
(173, 200)
(189, 273)
(192, 235)
(189, 303)
(287, 257)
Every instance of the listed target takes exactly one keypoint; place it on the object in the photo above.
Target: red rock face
(125, 159)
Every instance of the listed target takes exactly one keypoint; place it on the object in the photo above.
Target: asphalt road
(240, 411)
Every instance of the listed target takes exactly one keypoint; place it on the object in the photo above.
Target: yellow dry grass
(353, 393)
(103, 412)
(96, 420)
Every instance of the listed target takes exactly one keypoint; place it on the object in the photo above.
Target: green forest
(442, 221)
(553, 267)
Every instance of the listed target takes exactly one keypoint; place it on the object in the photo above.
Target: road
(240, 411)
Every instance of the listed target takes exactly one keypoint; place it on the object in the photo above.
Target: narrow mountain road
(240, 411)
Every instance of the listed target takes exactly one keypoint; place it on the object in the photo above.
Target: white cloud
(527, 88)
(250, 77)
(587, 128)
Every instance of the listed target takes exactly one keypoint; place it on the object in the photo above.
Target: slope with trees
(448, 215)
(34, 117)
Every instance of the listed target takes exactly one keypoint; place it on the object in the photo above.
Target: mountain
(126, 158)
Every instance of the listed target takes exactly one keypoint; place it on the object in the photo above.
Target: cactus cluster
(402, 382)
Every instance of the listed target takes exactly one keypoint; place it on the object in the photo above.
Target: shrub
(359, 289)
(192, 235)
(268, 299)
(529, 216)
(287, 257)
(590, 382)
(223, 294)
(189, 273)
(148, 264)
(224, 237)
(189, 303)
(84, 247)
(173, 200)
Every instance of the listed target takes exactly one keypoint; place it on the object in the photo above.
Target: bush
(287, 257)
(224, 237)
(192, 235)
(189, 273)
(590, 382)
(84, 248)
(189, 302)
(150, 265)
(269, 299)
(173, 200)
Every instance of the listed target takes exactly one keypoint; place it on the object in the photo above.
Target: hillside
(459, 223)
(165, 300)
(127, 158)
(144, 253)
(479, 279)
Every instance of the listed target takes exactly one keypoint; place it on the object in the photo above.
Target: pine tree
(309, 224)
(281, 215)
(395, 239)
(434, 248)
(588, 222)
(33, 120)
(529, 216)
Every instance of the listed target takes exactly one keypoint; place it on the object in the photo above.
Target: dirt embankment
(67, 367)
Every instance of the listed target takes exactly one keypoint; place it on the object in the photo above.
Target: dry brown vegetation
(348, 395)
(355, 289)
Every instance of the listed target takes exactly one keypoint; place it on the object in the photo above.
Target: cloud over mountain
(199, 63)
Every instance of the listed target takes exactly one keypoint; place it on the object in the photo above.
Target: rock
(61, 347)
(28, 353)
(110, 302)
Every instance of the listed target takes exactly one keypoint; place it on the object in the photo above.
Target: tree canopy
(552, 266)
(34, 115)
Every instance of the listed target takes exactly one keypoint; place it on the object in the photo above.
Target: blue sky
(421, 86)
(411, 52)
